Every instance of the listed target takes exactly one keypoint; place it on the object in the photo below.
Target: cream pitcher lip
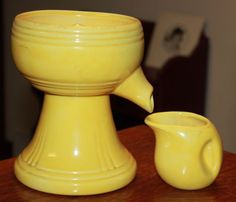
(172, 118)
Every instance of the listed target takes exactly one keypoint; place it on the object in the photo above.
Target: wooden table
(147, 186)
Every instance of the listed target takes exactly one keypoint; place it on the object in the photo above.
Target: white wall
(221, 29)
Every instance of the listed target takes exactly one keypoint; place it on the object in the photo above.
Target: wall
(221, 96)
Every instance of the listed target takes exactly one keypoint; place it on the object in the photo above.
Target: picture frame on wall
(176, 34)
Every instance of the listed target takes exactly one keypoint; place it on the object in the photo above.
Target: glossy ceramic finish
(188, 152)
(78, 59)
(77, 49)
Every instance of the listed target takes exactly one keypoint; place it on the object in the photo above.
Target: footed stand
(75, 149)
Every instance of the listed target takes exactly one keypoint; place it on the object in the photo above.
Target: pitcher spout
(137, 89)
(154, 122)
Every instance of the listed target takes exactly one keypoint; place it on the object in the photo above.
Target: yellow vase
(188, 152)
(78, 59)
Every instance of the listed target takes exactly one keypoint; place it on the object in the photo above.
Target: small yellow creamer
(188, 151)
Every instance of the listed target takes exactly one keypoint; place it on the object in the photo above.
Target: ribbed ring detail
(76, 28)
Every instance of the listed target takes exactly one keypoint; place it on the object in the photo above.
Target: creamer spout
(137, 89)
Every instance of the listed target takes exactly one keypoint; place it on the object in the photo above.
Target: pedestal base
(75, 149)
(57, 182)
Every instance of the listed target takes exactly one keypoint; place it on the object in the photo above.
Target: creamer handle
(211, 156)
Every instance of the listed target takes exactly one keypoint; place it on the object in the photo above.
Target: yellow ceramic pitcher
(78, 59)
(188, 152)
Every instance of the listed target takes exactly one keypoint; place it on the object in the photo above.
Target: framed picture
(175, 34)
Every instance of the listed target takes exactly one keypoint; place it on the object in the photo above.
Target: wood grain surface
(147, 186)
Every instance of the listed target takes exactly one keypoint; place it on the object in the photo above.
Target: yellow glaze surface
(78, 59)
(188, 152)
(92, 57)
